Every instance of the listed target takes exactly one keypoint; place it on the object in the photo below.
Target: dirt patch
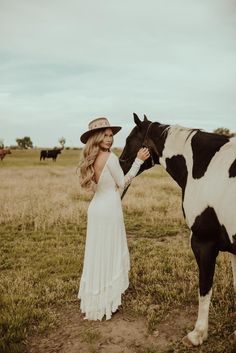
(121, 334)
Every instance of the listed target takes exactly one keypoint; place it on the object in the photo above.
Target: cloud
(64, 62)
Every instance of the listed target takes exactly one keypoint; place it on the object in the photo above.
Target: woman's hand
(143, 153)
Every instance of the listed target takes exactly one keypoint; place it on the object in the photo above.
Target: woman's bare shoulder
(101, 159)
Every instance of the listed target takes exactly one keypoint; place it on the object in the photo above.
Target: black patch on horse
(207, 228)
(177, 168)
(232, 170)
(225, 243)
(208, 238)
(204, 147)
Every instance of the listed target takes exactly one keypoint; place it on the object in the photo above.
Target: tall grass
(42, 236)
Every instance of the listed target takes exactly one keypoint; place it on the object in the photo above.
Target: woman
(106, 260)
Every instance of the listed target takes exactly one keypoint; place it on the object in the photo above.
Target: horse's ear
(145, 118)
(137, 121)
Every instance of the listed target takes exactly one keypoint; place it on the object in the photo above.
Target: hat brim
(85, 136)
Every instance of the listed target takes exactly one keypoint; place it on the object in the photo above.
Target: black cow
(50, 154)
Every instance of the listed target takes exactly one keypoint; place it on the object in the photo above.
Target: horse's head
(138, 138)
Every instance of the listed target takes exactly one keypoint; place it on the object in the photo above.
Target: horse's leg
(232, 337)
(205, 254)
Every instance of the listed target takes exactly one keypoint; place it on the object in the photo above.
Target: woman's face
(108, 139)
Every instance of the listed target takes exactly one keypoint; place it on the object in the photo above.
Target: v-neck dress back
(106, 260)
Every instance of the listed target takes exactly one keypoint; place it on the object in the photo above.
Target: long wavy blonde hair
(89, 155)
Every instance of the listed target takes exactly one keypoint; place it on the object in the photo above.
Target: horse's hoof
(232, 338)
(186, 341)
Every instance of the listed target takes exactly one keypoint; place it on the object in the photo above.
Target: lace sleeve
(123, 181)
(132, 172)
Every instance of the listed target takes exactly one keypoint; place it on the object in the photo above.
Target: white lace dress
(106, 260)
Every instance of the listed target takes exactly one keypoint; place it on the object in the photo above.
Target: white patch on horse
(177, 143)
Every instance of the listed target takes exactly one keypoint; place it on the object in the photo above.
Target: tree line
(26, 142)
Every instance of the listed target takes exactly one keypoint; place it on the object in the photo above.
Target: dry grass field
(42, 237)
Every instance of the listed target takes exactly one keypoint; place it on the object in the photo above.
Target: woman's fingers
(144, 153)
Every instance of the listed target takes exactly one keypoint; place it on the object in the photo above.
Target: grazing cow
(3, 153)
(204, 166)
(50, 154)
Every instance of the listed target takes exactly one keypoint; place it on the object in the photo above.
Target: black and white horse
(204, 166)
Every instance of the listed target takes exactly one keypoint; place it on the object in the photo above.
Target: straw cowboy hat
(96, 125)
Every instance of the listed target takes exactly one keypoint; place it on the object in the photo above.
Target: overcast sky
(65, 62)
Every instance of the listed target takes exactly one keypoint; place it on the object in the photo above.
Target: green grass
(42, 237)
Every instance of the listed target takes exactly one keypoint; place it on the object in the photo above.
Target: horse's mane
(176, 129)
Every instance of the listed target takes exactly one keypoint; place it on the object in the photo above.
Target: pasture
(42, 236)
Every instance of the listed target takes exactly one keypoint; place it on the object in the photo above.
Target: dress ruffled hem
(96, 306)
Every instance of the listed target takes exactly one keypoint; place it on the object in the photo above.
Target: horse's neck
(177, 140)
(175, 153)
(169, 141)
(182, 151)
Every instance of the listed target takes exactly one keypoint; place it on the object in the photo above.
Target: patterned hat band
(96, 124)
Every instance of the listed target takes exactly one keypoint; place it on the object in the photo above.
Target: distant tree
(224, 131)
(62, 141)
(1, 143)
(24, 142)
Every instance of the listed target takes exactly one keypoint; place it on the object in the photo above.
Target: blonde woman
(106, 260)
